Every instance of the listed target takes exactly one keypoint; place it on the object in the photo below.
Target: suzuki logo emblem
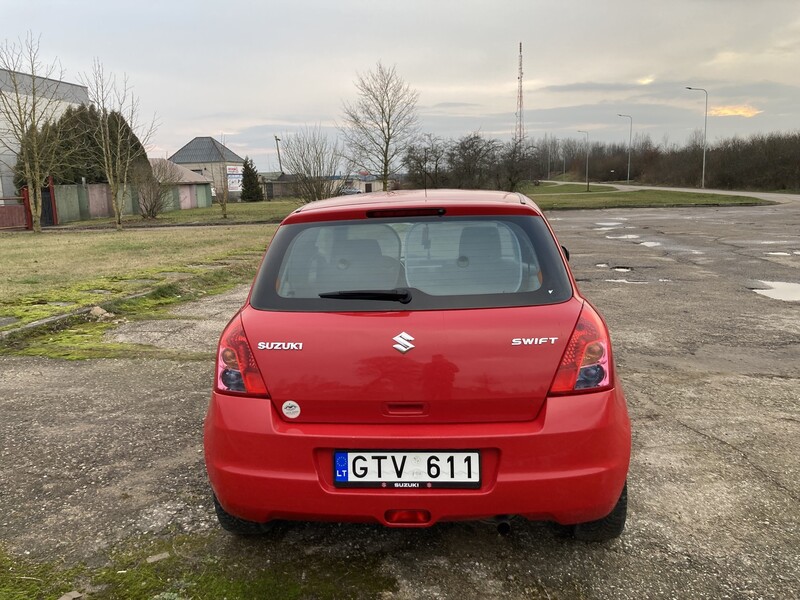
(403, 342)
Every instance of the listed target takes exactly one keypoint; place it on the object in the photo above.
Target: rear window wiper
(401, 295)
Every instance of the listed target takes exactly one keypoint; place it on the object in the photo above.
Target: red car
(407, 358)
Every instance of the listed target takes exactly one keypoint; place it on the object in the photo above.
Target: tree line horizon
(761, 161)
(106, 141)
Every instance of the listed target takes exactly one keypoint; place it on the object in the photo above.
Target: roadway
(97, 454)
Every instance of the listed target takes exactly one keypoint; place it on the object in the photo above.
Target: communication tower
(519, 133)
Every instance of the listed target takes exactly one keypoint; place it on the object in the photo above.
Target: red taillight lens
(586, 364)
(237, 371)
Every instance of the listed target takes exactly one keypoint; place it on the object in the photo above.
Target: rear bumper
(569, 465)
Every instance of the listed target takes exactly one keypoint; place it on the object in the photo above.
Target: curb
(67, 316)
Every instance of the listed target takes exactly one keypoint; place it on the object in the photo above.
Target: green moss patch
(84, 340)
(199, 568)
(28, 580)
(195, 570)
(81, 337)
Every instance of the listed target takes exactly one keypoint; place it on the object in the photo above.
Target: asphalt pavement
(704, 312)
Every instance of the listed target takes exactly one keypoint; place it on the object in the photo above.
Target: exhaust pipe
(503, 525)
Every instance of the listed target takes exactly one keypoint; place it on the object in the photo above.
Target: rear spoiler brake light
(405, 212)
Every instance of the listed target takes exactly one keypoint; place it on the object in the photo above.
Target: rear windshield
(422, 263)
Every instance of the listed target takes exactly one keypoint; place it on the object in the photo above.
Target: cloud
(466, 72)
(455, 105)
(590, 86)
(741, 110)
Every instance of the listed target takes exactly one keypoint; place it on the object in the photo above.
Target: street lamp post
(278, 146)
(705, 132)
(558, 151)
(587, 157)
(546, 141)
(630, 138)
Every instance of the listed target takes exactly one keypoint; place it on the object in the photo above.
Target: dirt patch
(196, 326)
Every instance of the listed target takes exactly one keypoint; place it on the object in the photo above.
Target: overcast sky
(253, 70)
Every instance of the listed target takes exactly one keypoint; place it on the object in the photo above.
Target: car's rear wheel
(239, 526)
(607, 528)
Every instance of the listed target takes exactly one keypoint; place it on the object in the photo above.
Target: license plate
(407, 469)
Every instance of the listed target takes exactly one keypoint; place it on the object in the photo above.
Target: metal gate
(49, 210)
(48, 213)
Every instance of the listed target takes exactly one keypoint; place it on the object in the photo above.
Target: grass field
(61, 271)
(639, 199)
(90, 263)
(546, 188)
(572, 196)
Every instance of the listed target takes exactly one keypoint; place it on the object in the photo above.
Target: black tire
(607, 528)
(236, 525)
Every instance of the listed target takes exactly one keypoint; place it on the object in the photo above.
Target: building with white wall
(13, 85)
(206, 156)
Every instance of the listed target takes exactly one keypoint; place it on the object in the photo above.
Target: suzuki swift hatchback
(406, 358)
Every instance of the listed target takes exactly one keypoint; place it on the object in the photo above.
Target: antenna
(519, 133)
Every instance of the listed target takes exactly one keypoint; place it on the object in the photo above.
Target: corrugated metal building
(13, 85)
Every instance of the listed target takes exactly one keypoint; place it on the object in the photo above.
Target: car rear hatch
(430, 366)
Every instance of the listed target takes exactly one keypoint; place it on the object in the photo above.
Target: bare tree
(32, 96)
(222, 195)
(154, 180)
(383, 120)
(472, 160)
(514, 162)
(314, 161)
(425, 162)
(120, 134)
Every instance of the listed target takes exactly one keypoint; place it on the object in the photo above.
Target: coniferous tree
(251, 189)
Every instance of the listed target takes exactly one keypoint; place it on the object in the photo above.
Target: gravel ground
(96, 453)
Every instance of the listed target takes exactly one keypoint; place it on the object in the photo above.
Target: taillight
(586, 365)
(237, 371)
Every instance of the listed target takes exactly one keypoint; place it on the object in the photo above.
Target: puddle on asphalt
(650, 244)
(776, 242)
(619, 269)
(625, 281)
(781, 290)
(777, 253)
(629, 236)
(609, 224)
